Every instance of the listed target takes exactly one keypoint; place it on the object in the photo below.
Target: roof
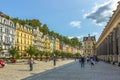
(89, 38)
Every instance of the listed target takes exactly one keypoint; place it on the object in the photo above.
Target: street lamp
(54, 55)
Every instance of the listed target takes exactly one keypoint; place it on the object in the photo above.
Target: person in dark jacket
(82, 61)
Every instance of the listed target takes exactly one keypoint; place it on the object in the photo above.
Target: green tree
(15, 20)
(44, 29)
(75, 42)
(41, 53)
(30, 50)
(37, 54)
(8, 17)
(0, 47)
(14, 52)
(33, 22)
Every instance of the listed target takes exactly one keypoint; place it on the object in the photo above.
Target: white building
(7, 33)
(38, 39)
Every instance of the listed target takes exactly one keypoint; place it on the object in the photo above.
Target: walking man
(92, 61)
(30, 62)
(82, 61)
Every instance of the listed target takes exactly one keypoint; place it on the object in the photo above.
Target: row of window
(7, 22)
(6, 30)
(21, 48)
(6, 47)
(88, 47)
(24, 41)
(24, 28)
(89, 43)
(23, 35)
(6, 39)
(88, 51)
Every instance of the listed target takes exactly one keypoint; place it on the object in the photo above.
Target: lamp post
(54, 55)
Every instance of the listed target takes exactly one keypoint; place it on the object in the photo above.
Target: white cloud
(75, 24)
(101, 12)
(96, 34)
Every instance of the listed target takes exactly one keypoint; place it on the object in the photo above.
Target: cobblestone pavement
(19, 71)
(73, 71)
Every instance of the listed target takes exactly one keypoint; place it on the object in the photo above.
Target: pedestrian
(30, 62)
(92, 61)
(82, 61)
(88, 59)
(75, 58)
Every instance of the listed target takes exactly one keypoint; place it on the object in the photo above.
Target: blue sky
(72, 18)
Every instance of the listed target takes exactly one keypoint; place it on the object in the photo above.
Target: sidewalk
(19, 71)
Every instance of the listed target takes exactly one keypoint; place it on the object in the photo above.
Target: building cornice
(112, 23)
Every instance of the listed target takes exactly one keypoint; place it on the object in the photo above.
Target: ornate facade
(7, 33)
(23, 37)
(57, 44)
(88, 45)
(38, 39)
(47, 44)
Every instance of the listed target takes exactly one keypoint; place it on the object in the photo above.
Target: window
(17, 33)
(24, 41)
(1, 38)
(0, 19)
(89, 47)
(84, 42)
(18, 47)
(31, 38)
(88, 42)
(11, 24)
(17, 40)
(7, 31)
(24, 35)
(0, 28)
(12, 40)
(4, 21)
(21, 34)
(21, 41)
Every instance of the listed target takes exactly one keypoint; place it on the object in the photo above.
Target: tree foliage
(31, 50)
(31, 22)
(44, 29)
(14, 52)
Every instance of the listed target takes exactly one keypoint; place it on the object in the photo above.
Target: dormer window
(11, 24)
(0, 28)
(4, 21)
(0, 19)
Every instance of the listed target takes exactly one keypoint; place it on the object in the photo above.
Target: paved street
(73, 71)
(19, 71)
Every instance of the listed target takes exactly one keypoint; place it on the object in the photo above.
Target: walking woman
(92, 61)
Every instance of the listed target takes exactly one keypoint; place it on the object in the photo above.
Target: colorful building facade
(23, 38)
(38, 39)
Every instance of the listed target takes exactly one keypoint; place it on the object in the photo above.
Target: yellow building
(46, 43)
(57, 44)
(23, 38)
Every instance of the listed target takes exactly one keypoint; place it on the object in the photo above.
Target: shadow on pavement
(38, 75)
(23, 70)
